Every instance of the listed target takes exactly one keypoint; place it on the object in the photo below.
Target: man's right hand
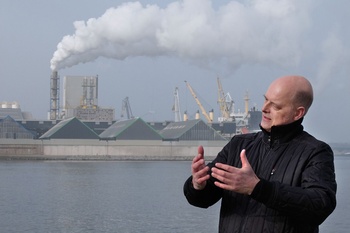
(199, 170)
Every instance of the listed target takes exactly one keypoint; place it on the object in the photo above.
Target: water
(68, 196)
(338, 221)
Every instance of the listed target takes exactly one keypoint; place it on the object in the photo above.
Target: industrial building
(11, 129)
(132, 129)
(80, 99)
(71, 128)
(191, 130)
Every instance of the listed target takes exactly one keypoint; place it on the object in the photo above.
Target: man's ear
(299, 113)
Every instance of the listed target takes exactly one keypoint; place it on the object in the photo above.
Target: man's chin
(266, 127)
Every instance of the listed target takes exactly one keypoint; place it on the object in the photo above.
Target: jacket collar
(282, 133)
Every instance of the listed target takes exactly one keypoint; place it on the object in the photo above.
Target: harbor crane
(176, 107)
(225, 103)
(126, 109)
(205, 114)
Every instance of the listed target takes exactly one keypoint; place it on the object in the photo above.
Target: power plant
(80, 99)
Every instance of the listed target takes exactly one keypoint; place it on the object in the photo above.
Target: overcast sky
(143, 50)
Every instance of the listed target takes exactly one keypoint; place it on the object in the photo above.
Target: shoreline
(108, 158)
(96, 158)
(120, 150)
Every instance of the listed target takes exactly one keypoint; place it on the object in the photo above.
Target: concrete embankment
(63, 149)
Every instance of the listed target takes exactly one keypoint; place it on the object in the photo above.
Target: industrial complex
(78, 118)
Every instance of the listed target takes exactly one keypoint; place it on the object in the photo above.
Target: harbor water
(115, 196)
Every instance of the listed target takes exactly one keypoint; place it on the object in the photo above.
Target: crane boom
(209, 119)
(126, 108)
(225, 102)
(222, 101)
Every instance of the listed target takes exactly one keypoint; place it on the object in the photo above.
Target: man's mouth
(266, 118)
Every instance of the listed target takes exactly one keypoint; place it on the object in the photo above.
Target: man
(280, 179)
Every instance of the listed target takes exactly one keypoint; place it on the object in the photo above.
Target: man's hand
(199, 170)
(241, 180)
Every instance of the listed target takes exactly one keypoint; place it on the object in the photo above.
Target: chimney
(54, 96)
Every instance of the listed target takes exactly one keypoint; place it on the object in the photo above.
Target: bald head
(298, 89)
(286, 100)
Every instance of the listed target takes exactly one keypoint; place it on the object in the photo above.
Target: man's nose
(265, 107)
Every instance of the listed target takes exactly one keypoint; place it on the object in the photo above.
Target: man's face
(278, 108)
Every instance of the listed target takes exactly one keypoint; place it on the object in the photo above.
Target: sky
(144, 50)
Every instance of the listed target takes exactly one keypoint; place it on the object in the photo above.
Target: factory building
(71, 128)
(80, 99)
(191, 130)
(39, 127)
(9, 128)
(131, 129)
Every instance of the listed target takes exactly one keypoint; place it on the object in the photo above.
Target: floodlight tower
(176, 108)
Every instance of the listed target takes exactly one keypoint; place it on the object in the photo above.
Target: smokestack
(54, 95)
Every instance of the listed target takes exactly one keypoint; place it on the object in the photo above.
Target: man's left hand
(241, 180)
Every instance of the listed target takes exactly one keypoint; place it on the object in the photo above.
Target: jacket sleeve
(211, 193)
(314, 200)
(202, 198)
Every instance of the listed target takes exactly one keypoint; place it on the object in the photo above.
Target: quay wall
(71, 149)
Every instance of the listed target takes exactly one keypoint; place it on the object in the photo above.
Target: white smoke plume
(239, 32)
(334, 57)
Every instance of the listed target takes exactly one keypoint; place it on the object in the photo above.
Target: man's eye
(276, 107)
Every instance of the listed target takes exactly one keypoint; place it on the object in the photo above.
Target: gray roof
(190, 130)
(132, 129)
(159, 125)
(9, 128)
(40, 127)
(71, 128)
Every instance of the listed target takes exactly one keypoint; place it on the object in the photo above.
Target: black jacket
(297, 191)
